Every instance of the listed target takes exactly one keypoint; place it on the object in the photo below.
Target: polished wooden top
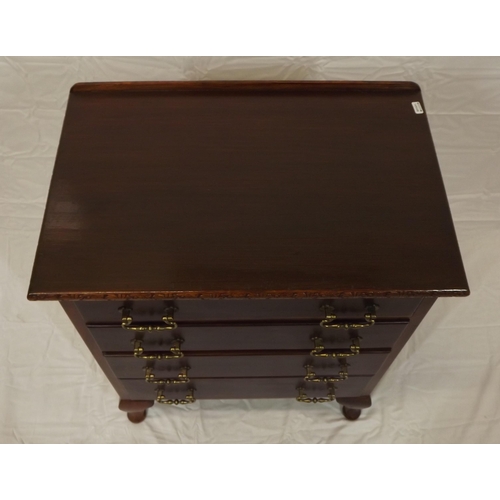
(246, 189)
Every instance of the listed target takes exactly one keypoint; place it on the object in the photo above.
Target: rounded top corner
(415, 86)
(77, 87)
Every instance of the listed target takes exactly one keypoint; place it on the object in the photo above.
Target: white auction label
(417, 107)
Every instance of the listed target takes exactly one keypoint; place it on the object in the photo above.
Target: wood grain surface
(241, 310)
(255, 336)
(229, 366)
(253, 189)
(243, 388)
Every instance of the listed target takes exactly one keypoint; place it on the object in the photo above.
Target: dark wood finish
(213, 190)
(248, 352)
(402, 339)
(252, 86)
(355, 403)
(136, 410)
(247, 206)
(249, 337)
(137, 417)
(247, 388)
(246, 366)
(351, 413)
(77, 320)
(241, 310)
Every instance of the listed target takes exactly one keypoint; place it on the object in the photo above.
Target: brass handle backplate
(188, 399)
(319, 349)
(304, 398)
(174, 353)
(168, 319)
(182, 378)
(330, 318)
(312, 377)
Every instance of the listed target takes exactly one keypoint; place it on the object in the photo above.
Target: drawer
(224, 336)
(245, 366)
(245, 388)
(244, 309)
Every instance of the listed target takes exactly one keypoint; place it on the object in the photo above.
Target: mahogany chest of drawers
(215, 240)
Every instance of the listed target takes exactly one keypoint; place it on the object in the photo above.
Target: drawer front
(245, 388)
(244, 309)
(249, 337)
(245, 366)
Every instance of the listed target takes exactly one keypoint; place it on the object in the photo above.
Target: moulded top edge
(246, 85)
(302, 294)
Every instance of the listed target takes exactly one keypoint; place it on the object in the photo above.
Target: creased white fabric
(445, 385)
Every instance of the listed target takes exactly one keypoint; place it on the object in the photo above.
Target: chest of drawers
(215, 240)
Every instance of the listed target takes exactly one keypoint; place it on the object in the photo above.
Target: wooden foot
(136, 410)
(358, 402)
(352, 406)
(136, 417)
(351, 413)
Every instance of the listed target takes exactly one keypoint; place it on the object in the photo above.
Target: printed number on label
(417, 107)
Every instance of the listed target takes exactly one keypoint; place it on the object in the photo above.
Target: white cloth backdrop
(445, 385)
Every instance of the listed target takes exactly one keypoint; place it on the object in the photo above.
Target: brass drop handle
(319, 349)
(312, 377)
(304, 398)
(174, 353)
(182, 378)
(168, 319)
(330, 317)
(188, 399)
